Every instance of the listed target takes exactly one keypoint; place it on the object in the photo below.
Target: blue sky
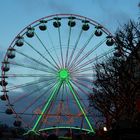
(16, 14)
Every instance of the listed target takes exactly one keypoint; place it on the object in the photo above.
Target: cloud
(59, 7)
(112, 12)
(47, 6)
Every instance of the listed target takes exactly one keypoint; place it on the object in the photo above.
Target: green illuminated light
(63, 74)
(56, 89)
(66, 127)
(80, 106)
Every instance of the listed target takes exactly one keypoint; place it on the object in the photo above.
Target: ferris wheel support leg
(53, 94)
(79, 105)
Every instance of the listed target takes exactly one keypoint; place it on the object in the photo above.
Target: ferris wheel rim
(51, 16)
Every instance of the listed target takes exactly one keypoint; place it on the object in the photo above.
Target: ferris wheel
(49, 70)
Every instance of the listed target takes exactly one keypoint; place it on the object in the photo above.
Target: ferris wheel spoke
(46, 50)
(53, 66)
(38, 62)
(85, 80)
(89, 81)
(88, 53)
(31, 67)
(29, 84)
(29, 75)
(79, 88)
(68, 104)
(50, 38)
(87, 69)
(62, 93)
(88, 62)
(16, 100)
(81, 50)
(55, 90)
(68, 45)
(73, 91)
(80, 99)
(32, 121)
(36, 99)
(60, 44)
(84, 85)
(84, 76)
(67, 97)
(88, 75)
(40, 106)
(80, 96)
(38, 89)
(33, 102)
(74, 48)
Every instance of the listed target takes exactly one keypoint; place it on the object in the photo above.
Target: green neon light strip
(56, 89)
(80, 106)
(58, 127)
(66, 127)
(31, 132)
(63, 74)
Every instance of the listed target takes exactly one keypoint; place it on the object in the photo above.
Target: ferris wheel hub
(63, 74)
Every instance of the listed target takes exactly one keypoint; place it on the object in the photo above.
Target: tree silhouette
(118, 78)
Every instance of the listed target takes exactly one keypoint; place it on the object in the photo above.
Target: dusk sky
(17, 14)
